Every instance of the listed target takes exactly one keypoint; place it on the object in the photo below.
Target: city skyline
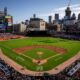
(24, 9)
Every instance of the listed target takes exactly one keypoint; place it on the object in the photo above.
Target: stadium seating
(9, 73)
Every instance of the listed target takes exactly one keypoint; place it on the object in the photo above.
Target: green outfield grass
(73, 47)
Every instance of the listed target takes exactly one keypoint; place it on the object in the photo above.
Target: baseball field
(40, 53)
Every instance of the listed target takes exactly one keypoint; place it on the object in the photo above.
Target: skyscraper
(50, 19)
(56, 16)
(5, 11)
(68, 12)
(74, 16)
(34, 15)
(79, 16)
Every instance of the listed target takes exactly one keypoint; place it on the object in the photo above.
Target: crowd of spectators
(7, 36)
(8, 73)
(72, 72)
(67, 36)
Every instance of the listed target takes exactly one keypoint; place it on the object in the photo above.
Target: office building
(73, 16)
(19, 28)
(68, 12)
(79, 16)
(50, 19)
(4, 12)
(34, 15)
(57, 17)
(37, 24)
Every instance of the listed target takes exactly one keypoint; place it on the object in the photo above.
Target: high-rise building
(73, 16)
(34, 15)
(27, 22)
(68, 12)
(5, 11)
(79, 16)
(56, 16)
(50, 19)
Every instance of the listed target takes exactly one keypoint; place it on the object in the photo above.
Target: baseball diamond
(39, 54)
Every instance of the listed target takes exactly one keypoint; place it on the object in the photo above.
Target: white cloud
(75, 9)
(72, 7)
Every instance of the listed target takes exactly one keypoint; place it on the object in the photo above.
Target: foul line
(27, 56)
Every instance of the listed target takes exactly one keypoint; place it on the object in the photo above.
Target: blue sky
(24, 9)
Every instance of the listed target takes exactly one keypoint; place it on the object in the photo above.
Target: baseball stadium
(42, 47)
(37, 55)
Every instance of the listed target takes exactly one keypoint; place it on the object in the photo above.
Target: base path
(22, 70)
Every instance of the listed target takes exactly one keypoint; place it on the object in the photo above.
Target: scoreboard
(6, 23)
(9, 23)
(9, 20)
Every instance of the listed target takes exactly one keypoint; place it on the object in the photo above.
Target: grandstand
(7, 36)
(9, 73)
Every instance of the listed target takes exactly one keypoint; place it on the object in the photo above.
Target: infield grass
(45, 53)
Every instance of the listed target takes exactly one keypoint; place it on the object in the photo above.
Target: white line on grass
(59, 58)
(53, 56)
(20, 58)
(27, 56)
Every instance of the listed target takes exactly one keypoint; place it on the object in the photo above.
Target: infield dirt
(52, 48)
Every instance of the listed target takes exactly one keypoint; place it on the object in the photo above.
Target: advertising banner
(2, 26)
(7, 16)
(9, 23)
